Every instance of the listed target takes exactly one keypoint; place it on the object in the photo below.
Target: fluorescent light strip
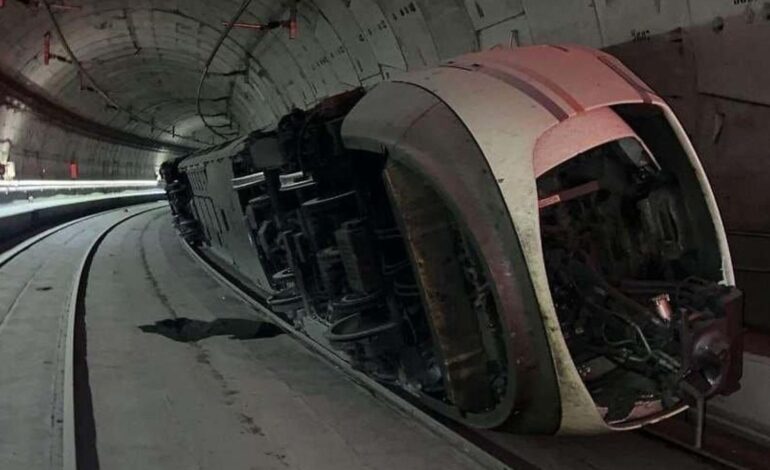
(41, 185)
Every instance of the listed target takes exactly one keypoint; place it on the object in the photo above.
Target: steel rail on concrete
(69, 405)
(71, 461)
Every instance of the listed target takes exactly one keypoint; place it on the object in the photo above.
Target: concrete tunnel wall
(704, 56)
(41, 150)
(148, 56)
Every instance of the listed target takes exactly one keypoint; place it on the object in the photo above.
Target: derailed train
(523, 239)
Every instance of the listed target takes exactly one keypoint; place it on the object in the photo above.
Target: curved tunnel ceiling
(148, 55)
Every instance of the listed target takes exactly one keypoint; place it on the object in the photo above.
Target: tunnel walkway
(36, 287)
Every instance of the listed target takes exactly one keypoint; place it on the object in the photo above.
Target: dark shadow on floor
(186, 330)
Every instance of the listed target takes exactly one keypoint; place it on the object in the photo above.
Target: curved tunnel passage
(114, 85)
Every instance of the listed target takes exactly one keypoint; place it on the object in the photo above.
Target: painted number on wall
(643, 35)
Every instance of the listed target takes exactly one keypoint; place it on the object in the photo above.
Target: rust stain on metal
(427, 226)
(569, 194)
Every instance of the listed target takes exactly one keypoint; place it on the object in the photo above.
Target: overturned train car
(522, 239)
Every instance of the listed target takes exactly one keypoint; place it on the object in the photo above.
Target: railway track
(487, 448)
(71, 424)
(79, 430)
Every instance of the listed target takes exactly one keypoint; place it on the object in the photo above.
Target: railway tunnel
(185, 186)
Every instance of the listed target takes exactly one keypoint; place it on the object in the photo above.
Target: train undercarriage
(404, 261)
(646, 321)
